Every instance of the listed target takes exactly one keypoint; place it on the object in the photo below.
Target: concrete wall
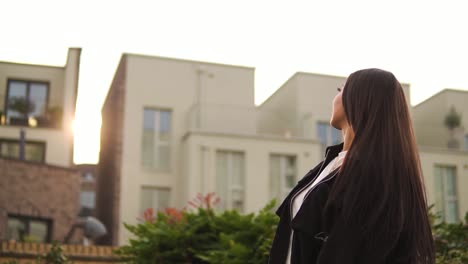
(459, 159)
(428, 119)
(38, 190)
(278, 114)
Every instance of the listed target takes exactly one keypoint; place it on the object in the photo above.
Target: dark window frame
(28, 89)
(34, 142)
(27, 219)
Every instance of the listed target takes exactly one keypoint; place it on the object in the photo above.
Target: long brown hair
(380, 187)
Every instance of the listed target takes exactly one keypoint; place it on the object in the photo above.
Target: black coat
(322, 236)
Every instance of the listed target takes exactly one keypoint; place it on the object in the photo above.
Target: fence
(79, 254)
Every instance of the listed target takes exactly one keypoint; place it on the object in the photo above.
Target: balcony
(245, 120)
(23, 113)
(218, 118)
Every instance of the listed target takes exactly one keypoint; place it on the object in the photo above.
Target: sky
(423, 43)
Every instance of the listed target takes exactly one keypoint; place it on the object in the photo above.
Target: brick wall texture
(39, 190)
(110, 157)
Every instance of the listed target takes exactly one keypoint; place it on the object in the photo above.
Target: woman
(365, 203)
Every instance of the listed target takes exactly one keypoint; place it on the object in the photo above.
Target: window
(155, 198)
(328, 135)
(282, 175)
(230, 179)
(87, 199)
(28, 229)
(466, 142)
(446, 193)
(24, 100)
(33, 151)
(156, 139)
(87, 177)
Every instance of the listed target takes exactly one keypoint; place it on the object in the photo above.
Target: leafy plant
(452, 119)
(21, 105)
(202, 235)
(451, 241)
(56, 255)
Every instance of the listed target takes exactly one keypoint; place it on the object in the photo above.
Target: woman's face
(338, 119)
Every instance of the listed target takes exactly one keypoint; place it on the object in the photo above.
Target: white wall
(170, 84)
(278, 114)
(201, 176)
(62, 92)
(431, 157)
(429, 118)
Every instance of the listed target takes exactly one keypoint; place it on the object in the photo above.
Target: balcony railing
(51, 117)
(233, 119)
(221, 119)
(38, 121)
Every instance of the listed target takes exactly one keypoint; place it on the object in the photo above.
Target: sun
(86, 129)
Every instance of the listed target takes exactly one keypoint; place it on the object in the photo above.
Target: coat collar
(334, 150)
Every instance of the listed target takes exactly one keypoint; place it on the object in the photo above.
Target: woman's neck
(348, 136)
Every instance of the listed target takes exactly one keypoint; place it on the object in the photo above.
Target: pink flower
(208, 201)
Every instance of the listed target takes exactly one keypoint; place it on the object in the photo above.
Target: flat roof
(186, 60)
(31, 64)
(451, 90)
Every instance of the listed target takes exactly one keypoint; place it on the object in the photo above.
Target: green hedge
(202, 236)
(451, 241)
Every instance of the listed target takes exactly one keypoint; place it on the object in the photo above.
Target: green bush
(451, 241)
(202, 236)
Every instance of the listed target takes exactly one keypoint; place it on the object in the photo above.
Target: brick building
(87, 202)
(38, 202)
(40, 196)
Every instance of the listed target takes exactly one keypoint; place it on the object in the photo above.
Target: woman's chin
(335, 124)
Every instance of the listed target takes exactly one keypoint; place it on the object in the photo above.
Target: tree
(452, 121)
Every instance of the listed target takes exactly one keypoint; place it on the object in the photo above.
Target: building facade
(88, 174)
(38, 202)
(429, 120)
(444, 151)
(40, 100)
(39, 190)
(174, 128)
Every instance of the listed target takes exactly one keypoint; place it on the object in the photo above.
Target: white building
(41, 100)
(175, 128)
(445, 166)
